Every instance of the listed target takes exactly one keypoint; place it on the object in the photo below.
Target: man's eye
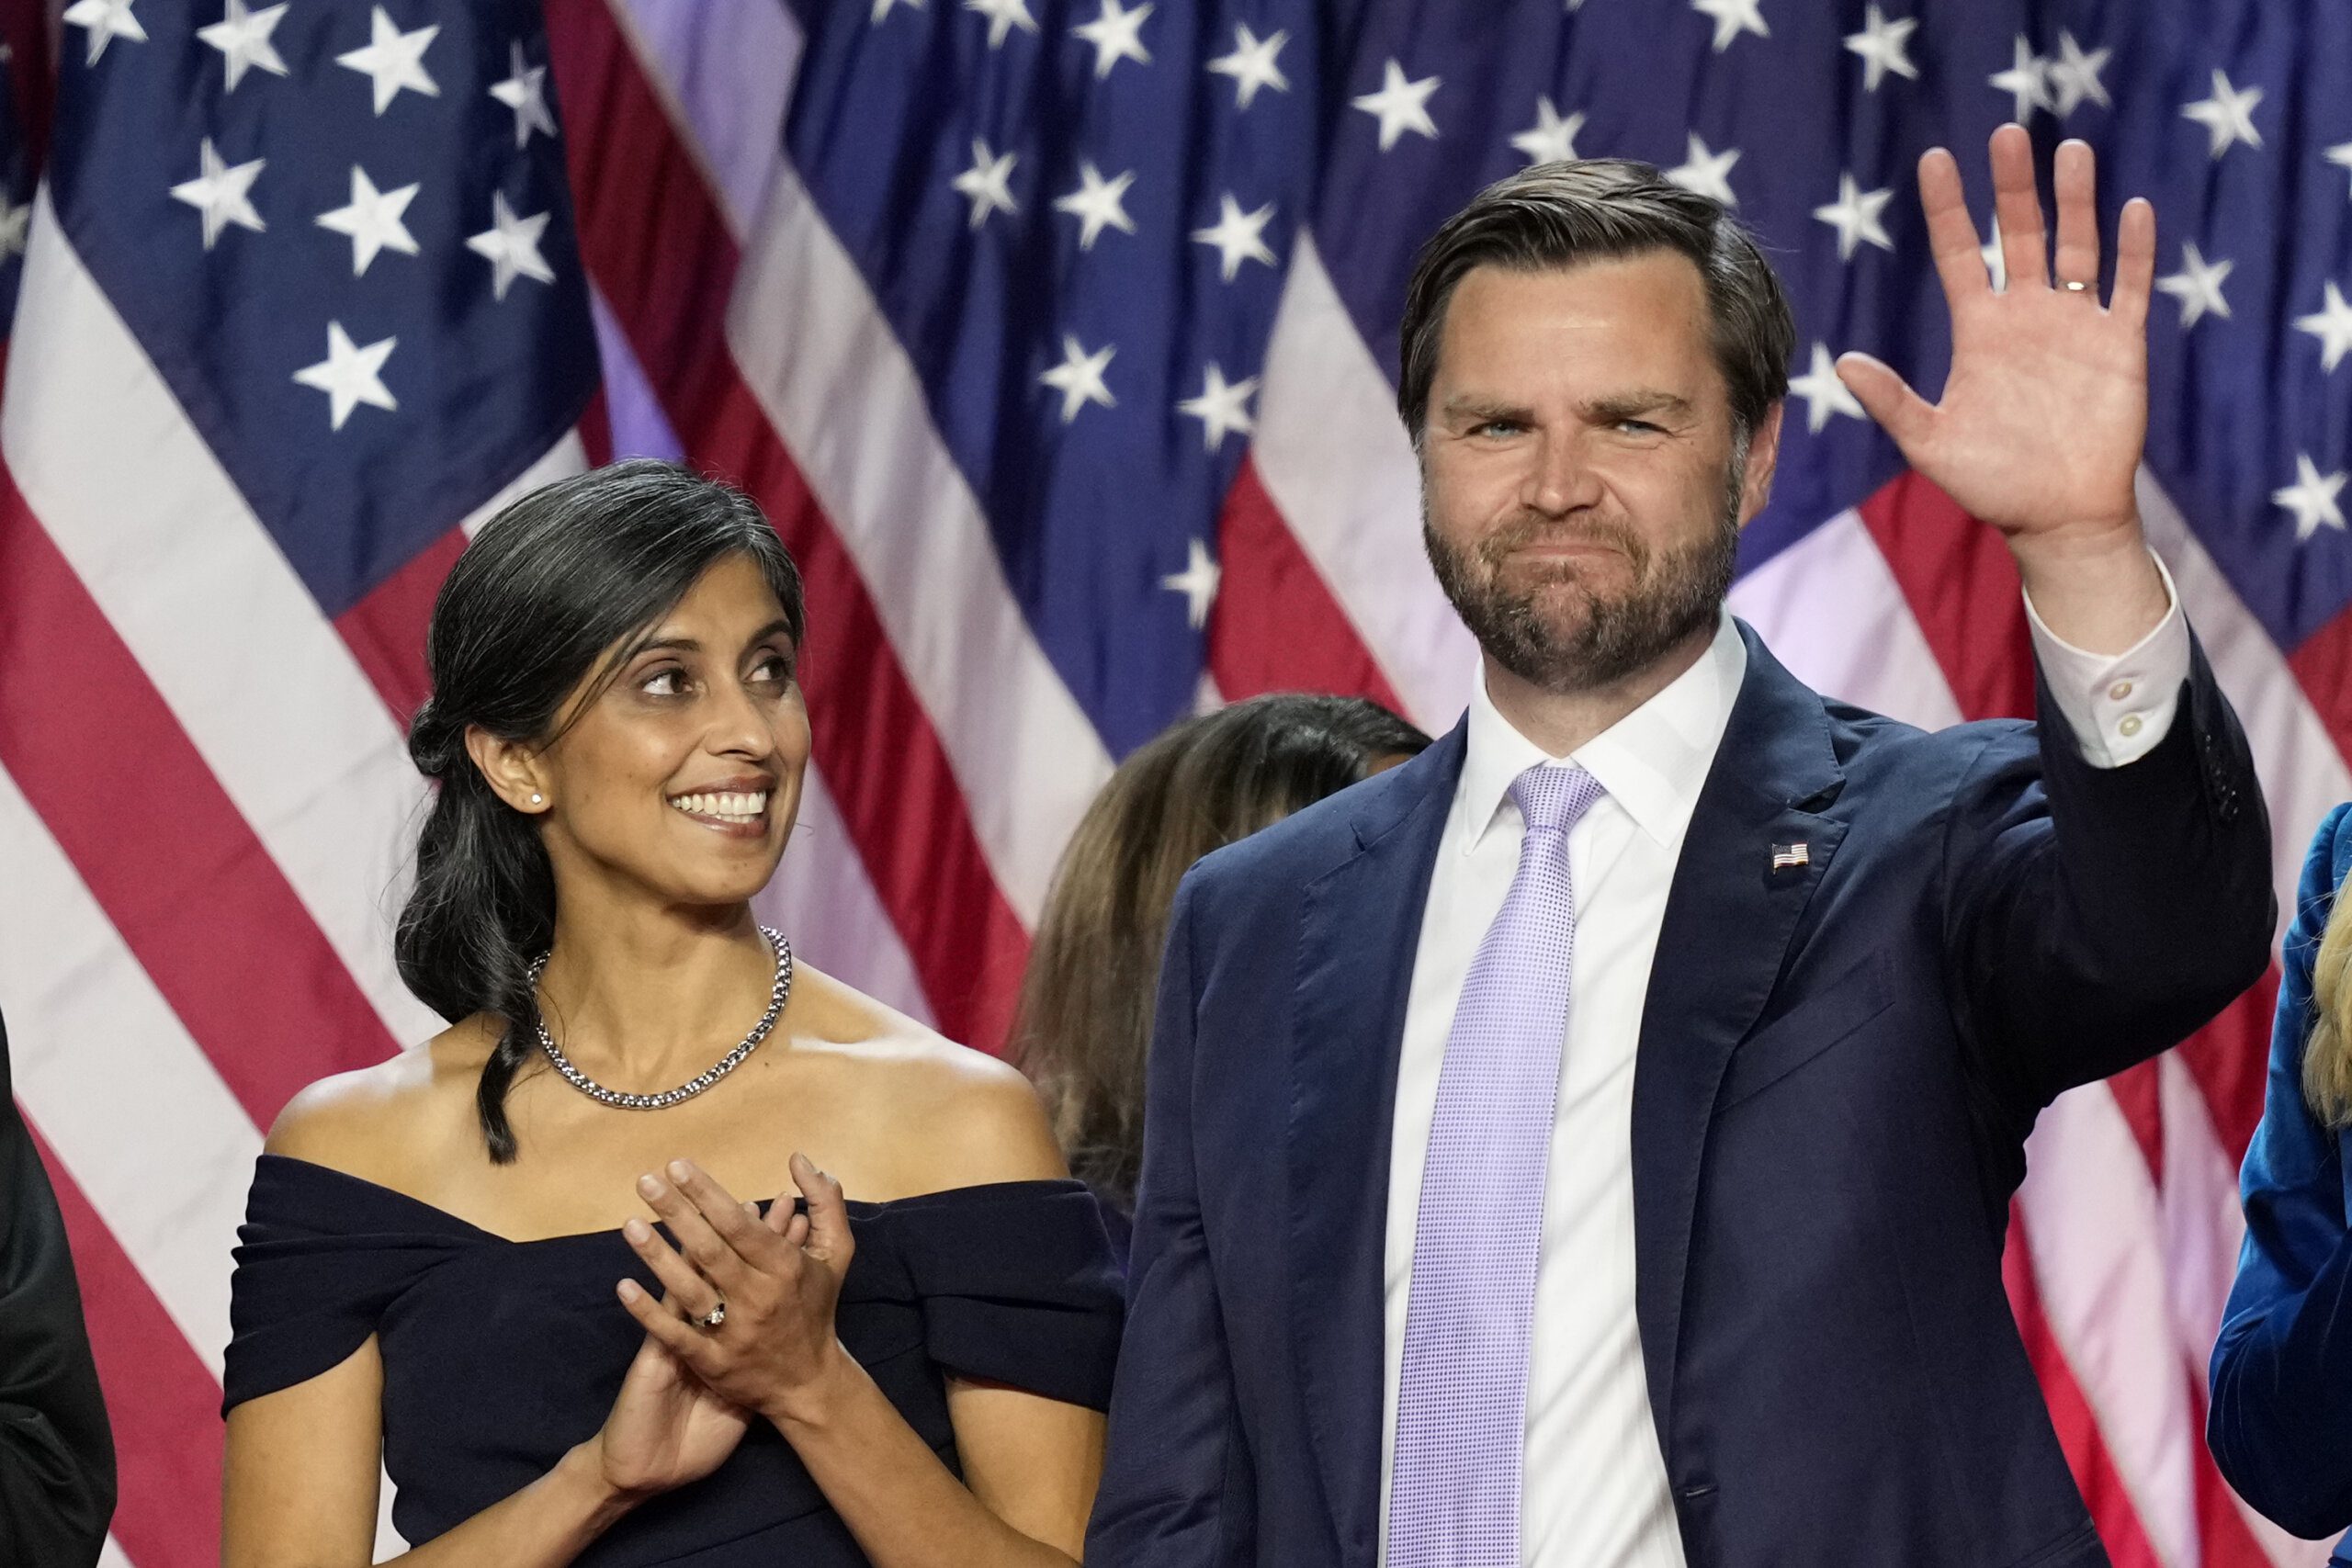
(1638, 426)
(1498, 427)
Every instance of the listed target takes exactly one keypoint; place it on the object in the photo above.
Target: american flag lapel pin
(1790, 857)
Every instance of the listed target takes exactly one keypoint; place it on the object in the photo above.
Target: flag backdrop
(1058, 338)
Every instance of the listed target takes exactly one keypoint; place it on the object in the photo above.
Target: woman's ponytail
(483, 907)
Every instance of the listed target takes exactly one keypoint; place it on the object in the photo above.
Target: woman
(446, 1260)
(1085, 1013)
(2282, 1371)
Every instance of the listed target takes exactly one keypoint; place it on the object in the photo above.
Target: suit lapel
(1359, 929)
(1729, 916)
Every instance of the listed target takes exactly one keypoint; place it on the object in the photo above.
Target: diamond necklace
(708, 1075)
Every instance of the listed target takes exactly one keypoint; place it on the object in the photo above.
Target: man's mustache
(1536, 529)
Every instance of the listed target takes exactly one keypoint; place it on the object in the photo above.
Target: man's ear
(513, 769)
(1763, 459)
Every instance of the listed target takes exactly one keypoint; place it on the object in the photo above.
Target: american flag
(1058, 336)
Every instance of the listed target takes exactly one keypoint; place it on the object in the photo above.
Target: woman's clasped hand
(743, 1327)
(747, 1302)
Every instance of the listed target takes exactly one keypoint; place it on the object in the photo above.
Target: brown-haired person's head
(1592, 365)
(1086, 1003)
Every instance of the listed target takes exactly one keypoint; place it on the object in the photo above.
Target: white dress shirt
(1595, 1494)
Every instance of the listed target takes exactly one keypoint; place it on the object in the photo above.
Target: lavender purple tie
(1462, 1397)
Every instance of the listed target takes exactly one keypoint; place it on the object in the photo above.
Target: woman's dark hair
(549, 595)
(1084, 1018)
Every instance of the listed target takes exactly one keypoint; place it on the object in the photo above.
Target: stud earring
(538, 800)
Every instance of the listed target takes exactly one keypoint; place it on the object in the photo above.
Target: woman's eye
(776, 670)
(668, 682)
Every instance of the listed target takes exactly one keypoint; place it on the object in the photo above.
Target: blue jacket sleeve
(1173, 1432)
(2280, 1425)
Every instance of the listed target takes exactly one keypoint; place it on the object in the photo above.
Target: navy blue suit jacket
(2280, 1423)
(1837, 1069)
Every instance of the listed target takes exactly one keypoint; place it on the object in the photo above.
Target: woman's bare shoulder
(957, 1117)
(378, 1121)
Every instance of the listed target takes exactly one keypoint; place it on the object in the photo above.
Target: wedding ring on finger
(2073, 287)
(709, 1322)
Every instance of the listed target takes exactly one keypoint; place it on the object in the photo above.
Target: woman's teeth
(725, 808)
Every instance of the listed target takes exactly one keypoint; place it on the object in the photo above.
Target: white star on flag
(1237, 236)
(2227, 115)
(1400, 106)
(2198, 285)
(243, 38)
(526, 92)
(221, 193)
(1079, 378)
(510, 244)
(1824, 394)
(108, 20)
(1855, 216)
(1251, 64)
(372, 220)
(882, 9)
(2332, 325)
(14, 217)
(1223, 408)
(348, 376)
(2074, 76)
(393, 59)
(2341, 156)
(1116, 35)
(2026, 81)
(1732, 19)
(2312, 498)
(1707, 173)
(1098, 204)
(1197, 582)
(986, 184)
(1003, 17)
(1550, 138)
(1885, 45)
(1996, 264)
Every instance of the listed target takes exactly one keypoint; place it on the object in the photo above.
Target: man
(56, 1451)
(1589, 1145)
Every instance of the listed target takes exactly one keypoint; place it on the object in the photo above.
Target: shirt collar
(1652, 762)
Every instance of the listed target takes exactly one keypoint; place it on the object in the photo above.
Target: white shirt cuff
(2120, 707)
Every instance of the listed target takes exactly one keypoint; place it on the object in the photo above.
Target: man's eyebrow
(1634, 405)
(1473, 406)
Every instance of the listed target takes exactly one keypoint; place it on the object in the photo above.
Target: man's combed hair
(1560, 215)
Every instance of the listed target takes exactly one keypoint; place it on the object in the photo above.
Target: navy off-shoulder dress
(500, 1355)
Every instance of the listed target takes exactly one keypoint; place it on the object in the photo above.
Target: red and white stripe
(204, 852)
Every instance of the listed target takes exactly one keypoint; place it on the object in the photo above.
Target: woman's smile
(739, 812)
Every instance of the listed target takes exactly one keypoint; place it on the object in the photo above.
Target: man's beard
(1602, 640)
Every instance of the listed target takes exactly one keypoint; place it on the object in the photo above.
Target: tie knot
(1555, 798)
